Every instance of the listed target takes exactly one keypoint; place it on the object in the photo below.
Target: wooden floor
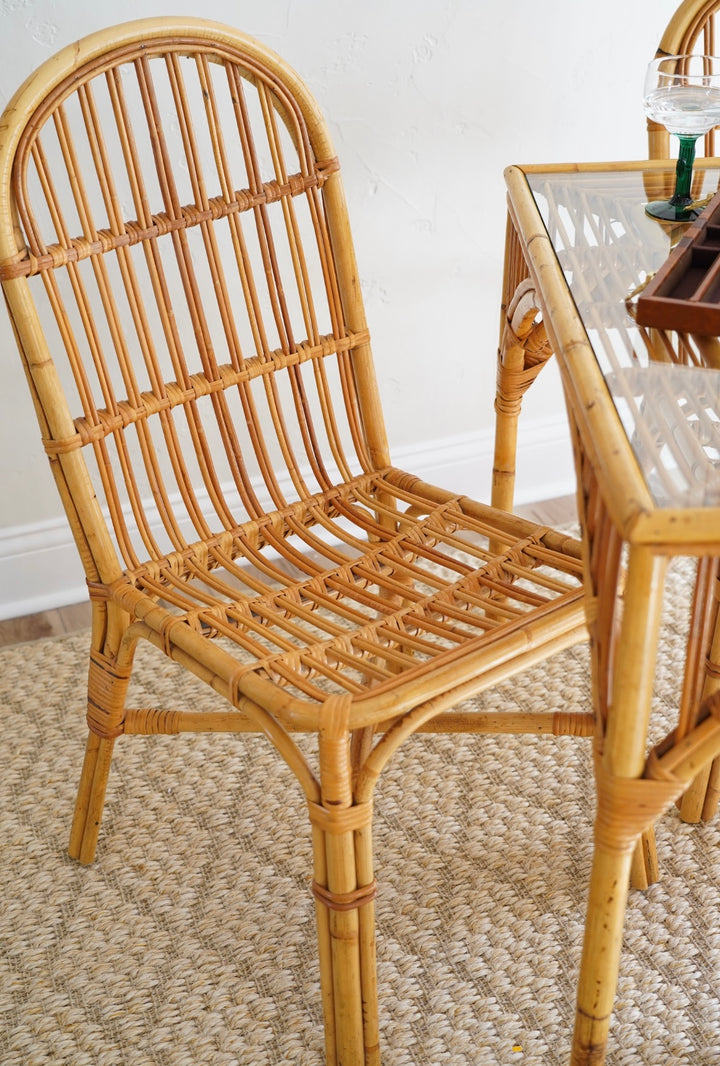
(77, 615)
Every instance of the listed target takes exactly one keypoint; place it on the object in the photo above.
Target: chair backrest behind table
(692, 29)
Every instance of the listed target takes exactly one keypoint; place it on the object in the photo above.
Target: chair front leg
(344, 890)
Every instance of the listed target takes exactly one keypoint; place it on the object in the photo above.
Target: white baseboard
(40, 568)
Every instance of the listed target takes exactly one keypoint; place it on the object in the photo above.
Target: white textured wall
(428, 101)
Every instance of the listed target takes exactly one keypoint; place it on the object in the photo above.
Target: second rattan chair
(177, 263)
(692, 29)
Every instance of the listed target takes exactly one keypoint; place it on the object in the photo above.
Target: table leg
(524, 351)
(605, 597)
(702, 678)
(621, 762)
(645, 869)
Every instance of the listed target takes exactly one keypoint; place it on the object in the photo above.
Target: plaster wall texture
(428, 101)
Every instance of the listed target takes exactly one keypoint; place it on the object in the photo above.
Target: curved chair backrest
(692, 29)
(173, 232)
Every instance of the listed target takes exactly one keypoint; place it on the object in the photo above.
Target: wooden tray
(684, 294)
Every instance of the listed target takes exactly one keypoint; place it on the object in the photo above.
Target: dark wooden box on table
(684, 294)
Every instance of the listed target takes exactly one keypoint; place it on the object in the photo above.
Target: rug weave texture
(191, 940)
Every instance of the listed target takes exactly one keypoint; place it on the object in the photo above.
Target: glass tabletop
(665, 386)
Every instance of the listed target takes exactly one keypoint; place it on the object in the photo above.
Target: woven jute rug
(191, 940)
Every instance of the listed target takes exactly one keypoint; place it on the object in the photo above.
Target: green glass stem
(683, 171)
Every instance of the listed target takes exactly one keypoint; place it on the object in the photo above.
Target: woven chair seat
(302, 600)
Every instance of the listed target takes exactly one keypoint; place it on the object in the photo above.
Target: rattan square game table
(644, 410)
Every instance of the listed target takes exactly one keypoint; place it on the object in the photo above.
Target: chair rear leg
(90, 798)
(108, 680)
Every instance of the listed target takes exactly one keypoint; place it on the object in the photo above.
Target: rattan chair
(178, 267)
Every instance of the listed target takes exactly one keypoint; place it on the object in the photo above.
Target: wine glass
(682, 93)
